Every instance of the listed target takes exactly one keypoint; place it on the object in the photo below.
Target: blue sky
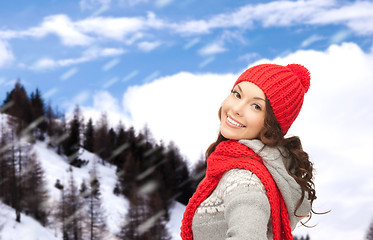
(71, 49)
(169, 65)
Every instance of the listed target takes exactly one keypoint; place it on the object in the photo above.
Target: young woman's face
(243, 112)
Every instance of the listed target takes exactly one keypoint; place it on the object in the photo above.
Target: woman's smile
(233, 122)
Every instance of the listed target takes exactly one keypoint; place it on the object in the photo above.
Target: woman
(258, 183)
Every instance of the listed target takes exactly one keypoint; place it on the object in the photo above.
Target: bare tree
(34, 190)
(71, 212)
(95, 212)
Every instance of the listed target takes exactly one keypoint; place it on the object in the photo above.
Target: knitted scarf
(228, 155)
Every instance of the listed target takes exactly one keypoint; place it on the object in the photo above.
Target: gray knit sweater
(238, 208)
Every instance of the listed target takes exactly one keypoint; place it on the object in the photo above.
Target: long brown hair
(300, 167)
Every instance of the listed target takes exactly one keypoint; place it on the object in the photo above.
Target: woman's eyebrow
(259, 98)
(239, 87)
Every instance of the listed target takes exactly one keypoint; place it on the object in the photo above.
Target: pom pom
(302, 73)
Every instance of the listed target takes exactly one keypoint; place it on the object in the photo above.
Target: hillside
(56, 167)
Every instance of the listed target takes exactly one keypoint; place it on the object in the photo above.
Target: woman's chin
(229, 135)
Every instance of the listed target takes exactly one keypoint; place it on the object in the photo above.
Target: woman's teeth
(234, 122)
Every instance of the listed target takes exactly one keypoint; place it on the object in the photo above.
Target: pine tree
(54, 123)
(121, 147)
(38, 114)
(20, 105)
(101, 138)
(72, 143)
(145, 218)
(198, 173)
(181, 174)
(89, 136)
(111, 143)
(131, 170)
(50, 117)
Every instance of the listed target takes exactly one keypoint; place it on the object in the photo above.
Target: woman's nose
(238, 108)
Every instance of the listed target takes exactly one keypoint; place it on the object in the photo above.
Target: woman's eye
(257, 107)
(236, 94)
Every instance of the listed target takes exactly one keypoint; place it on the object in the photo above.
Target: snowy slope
(115, 207)
(56, 167)
(28, 229)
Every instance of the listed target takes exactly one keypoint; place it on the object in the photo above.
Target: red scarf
(228, 155)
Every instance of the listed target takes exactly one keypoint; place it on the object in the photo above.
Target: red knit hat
(283, 86)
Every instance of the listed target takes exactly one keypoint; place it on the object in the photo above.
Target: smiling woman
(258, 183)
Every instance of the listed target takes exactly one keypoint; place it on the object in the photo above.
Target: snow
(176, 215)
(56, 167)
(28, 229)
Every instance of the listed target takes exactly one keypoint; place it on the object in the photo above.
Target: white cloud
(6, 55)
(357, 16)
(334, 125)
(44, 63)
(212, 48)
(89, 55)
(62, 26)
(148, 46)
(110, 27)
(87, 31)
(282, 13)
(173, 108)
(103, 102)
